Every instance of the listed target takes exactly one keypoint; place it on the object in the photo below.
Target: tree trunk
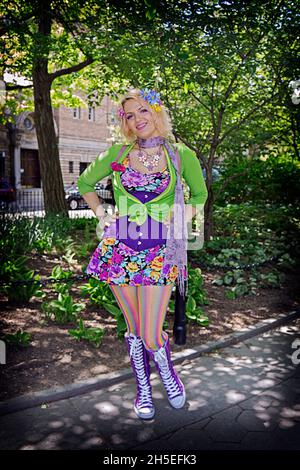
(208, 215)
(209, 205)
(53, 189)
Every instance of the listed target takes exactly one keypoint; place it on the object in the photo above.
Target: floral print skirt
(113, 262)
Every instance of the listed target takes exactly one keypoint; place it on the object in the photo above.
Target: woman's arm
(193, 175)
(93, 202)
(96, 171)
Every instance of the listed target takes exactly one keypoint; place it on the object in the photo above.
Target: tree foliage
(222, 67)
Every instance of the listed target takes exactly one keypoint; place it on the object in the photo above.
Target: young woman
(143, 250)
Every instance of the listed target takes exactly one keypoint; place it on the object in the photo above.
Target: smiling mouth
(139, 128)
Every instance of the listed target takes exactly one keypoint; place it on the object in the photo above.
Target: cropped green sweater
(159, 207)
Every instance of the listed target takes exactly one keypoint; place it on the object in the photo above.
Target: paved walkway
(242, 397)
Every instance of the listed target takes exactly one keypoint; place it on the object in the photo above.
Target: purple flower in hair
(121, 113)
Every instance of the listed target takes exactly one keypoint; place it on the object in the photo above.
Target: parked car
(8, 193)
(76, 201)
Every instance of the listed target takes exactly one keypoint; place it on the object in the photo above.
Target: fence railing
(31, 202)
(25, 200)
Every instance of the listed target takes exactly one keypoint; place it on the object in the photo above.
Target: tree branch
(212, 108)
(200, 155)
(245, 118)
(200, 101)
(229, 179)
(68, 70)
(207, 139)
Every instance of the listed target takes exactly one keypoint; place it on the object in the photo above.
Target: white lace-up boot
(139, 359)
(172, 383)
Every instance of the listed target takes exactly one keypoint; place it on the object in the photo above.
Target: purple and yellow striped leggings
(144, 309)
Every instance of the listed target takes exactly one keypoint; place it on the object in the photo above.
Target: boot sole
(184, 398)
(144, 415)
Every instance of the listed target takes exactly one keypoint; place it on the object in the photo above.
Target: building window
(91, 113)
(82, 167)
(77, 113)
(71, 167)
(28, 124)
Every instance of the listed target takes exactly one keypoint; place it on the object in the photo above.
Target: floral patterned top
(134, 180)
(134, 262)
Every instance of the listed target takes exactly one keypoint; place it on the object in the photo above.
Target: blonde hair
(161, 118)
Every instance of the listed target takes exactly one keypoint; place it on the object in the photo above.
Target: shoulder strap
(178, 159)
(120, 153)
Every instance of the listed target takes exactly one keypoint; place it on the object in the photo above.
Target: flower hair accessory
(153, 98)
(121, 113)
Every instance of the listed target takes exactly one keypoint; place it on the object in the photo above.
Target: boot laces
(136, 352)
(134, 346)
(171, 385)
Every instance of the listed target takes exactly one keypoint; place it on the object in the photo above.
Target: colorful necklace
(150, 161)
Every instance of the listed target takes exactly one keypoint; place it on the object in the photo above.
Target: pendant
(145, 161)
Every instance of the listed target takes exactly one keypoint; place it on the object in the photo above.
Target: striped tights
(144, 309)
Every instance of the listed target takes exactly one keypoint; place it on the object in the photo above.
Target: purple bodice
(145, 188)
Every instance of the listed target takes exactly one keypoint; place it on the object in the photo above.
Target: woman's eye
(128, 117)
(144, 110)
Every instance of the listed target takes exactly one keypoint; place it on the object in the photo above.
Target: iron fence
(31, 203)
(25, 201)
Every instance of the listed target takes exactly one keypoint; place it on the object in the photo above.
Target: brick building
(82, 134)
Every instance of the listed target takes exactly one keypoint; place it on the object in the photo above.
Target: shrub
(20, 338)
(92, 335)
(14, 271)
(62, 310)
(274, 180)
(195, 298)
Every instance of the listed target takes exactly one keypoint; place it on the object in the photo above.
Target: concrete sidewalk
(242, 397)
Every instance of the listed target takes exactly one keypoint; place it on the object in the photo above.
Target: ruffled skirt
(114, 262)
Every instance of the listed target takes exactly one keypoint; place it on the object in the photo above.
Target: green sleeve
(97, 170)
(192, 174)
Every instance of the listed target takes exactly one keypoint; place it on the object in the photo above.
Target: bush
(274, 180)
(92, 335)
(14, 271)
(65, 282)
(62, 310)
(248, 236)
(20, 338)
(195, 298)
(21, 235)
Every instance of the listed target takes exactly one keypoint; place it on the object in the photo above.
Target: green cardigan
(159, 207)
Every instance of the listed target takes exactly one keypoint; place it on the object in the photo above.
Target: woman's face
(139, 119)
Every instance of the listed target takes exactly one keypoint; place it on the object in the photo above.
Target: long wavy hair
(161, 118)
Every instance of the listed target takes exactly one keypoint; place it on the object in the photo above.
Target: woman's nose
(139, 117)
